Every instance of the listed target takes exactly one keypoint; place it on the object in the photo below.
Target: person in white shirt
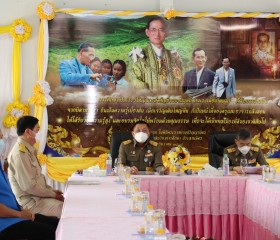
(224, 85)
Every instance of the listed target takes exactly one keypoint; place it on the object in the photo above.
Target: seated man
(141, 153)
(27, 181)
(17, 223)
(243, 148)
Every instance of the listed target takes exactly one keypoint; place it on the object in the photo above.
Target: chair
(217, 141)
(116, 139)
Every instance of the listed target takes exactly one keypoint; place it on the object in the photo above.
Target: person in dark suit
(199, 77)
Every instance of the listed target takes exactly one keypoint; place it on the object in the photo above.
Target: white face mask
(244, 150)
(141, 137)
(38, 136)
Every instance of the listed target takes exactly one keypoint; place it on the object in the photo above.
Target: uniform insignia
(231, 150)
(153, 143)
(22, 147)
(127, 142)
(255, 149)
(251, 161)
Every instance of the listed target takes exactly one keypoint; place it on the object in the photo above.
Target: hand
(166, 171)
(95, 76)
(237, 169)
(27, 214)
(57, 191)
(59, 196)
(134, 170)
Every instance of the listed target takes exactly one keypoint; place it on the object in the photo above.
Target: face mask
(38, 136)
(2, 145)
(141, 137)
(244, 150)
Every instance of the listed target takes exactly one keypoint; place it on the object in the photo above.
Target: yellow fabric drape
(5, 29)
(60, 168)
(16, 68)
(40, 53)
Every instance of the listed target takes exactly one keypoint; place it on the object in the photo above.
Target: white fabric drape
(6, 52)
(44, 127)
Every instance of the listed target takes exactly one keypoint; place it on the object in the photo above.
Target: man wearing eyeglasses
(76, 71)
(154, 67)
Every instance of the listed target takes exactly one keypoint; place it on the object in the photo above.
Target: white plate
(252, 169)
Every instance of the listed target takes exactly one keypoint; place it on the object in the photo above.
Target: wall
(12, 9)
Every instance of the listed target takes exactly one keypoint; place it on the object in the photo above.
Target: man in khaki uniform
(243, 148)
(142, 154)
(27, 181)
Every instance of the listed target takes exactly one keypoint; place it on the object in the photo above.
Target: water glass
(139, 202)
(159, 220)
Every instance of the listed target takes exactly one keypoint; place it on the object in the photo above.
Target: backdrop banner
(161, 84)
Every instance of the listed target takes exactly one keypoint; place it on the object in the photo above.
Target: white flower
(47, 8)
(16, 113)
(135, 53)
(45, 86)
(19, 29)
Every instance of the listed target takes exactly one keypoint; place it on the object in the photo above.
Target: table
(228, 208)
(97, 212)
(218, 207)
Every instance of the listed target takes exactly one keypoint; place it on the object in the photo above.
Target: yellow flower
(15, 110)
(171, 13)
(20, 30)
(45, 10)
(177, 156)
(39, 97)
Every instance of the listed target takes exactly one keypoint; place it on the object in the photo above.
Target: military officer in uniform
(243, 148)
(141, 153)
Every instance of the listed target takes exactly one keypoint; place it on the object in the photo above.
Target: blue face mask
(2, 145)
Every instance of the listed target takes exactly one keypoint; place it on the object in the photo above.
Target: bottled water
(109, 164)
(226, 164)
(149, 223)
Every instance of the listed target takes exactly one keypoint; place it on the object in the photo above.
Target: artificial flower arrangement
(15, 110)
(45, 10)
(20, 30)
(177, 158)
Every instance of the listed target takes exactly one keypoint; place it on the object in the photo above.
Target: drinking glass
(243, 164)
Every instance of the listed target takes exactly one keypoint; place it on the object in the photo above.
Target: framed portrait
(239, 36)
(263, 48)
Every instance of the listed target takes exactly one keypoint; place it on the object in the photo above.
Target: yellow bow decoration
(45, 10)
(15, 110)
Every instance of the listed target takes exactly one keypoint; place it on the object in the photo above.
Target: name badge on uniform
(132, 153)
(148, 154)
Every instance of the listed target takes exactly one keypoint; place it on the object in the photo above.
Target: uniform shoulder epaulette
(22, 147)
(153, 143)
(231, 150)
(127, 142)
(255, 149)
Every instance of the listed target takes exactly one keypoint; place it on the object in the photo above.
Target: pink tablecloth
(94, 212)
(221, 208)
